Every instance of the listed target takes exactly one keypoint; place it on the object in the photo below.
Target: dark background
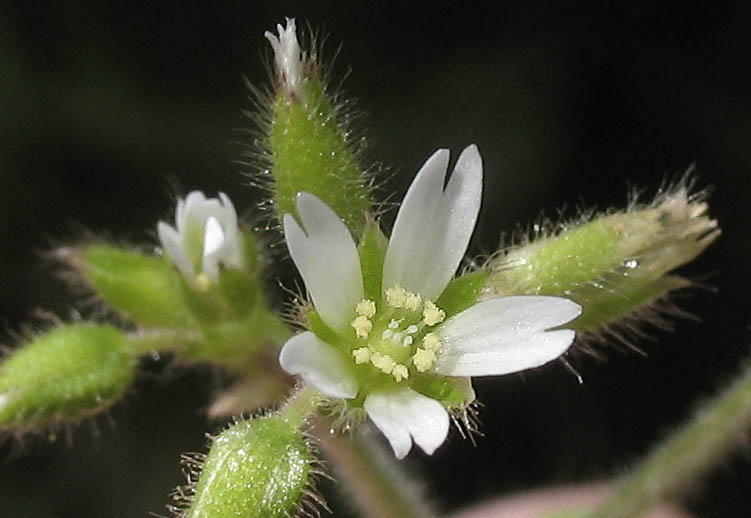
(108, 108)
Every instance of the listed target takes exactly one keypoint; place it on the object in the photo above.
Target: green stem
(378, 487)
(687, 454)
(146, 341)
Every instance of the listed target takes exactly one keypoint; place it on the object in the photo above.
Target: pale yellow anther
(395, 296)
(432, 342)
(400, 372)
(361, 355)
(432, 314)
(366, 308)
(423, 359)
(412, 301)
(362, 326)
(382, 362)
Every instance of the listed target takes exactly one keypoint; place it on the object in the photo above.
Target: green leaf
(69, 373)
(372, 250)
(145, 289)
(462, 292)
(258, 468)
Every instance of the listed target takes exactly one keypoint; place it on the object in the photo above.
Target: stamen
(361, 355)
(366, 308)
(432, 314)
(395, 296)
(407, 341)
(362, 326)
(432, 342)
(400, 372)
(387, 334)
(382, 362)
(423, 359)
(394, 324)
(412, 302)
(411, 329)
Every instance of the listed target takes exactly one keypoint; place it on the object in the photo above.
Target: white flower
(288, 57)
(206, 236)
(384, 348)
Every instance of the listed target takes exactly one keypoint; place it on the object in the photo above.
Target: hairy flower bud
(143, 288)
(309, 146)
(615, 265)
(67, 374)
(258, 468)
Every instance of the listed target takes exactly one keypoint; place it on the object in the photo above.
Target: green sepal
(310, 151)
(258, 468)
(462, 292)
(319, 327)
(240, 291)
(67, 374)
(144, 288)
(603, 307)
(204, 300)
(372, 249)
(451, 392)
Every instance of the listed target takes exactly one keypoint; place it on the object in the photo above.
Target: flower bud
(613, 265)
(258, 468)
(143, 288)
(309, 146)
(206, 238)
(69, 373)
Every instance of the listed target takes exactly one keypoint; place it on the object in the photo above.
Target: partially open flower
(206, 236)
(288, 57)
(398, 353)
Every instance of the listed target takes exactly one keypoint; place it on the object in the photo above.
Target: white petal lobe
(433, 226)
(404, 415)
(505, 335)
(327, 258)
(319, 364)
(172, 244)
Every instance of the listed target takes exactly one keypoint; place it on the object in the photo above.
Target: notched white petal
(213, 236)
(433, 226)
(505, 335)
(404, 415)
(319, 364)
(171, 243)
(327, 258)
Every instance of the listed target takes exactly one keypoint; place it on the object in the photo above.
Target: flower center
(397, 338)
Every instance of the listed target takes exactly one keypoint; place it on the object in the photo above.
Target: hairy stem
(146, 341)
(377, 485)
(687, 454)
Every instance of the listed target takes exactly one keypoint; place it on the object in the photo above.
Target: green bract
(66, 374)
(258, 468)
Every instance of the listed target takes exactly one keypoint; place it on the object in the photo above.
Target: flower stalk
(718, 428)
(378, 486)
